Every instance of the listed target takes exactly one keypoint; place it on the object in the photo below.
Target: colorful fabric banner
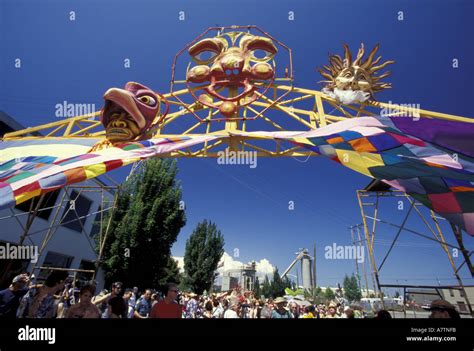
(32, 173)
(441, 176)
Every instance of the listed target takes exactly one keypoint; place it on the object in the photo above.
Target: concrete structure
(73, 243)
(424, 297)
(307, 277)
(243, 278)
(456, 297)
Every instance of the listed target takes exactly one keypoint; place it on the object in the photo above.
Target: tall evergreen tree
(266, 287)
(351, 288)
(257, 291)
(145, 225)
(277, 285)
(203, 251)
(329, 294)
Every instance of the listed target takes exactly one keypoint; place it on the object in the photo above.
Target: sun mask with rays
(358, 75)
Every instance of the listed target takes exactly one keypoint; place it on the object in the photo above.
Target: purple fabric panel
(456, 136)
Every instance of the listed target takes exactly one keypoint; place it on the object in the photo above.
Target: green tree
(278, 285)
(266, 287)
(287, 283)
(329, 294)
(203, 250)
(257, 291)
(351, 288)
(146, 223)
(315, 294)
(171, 273)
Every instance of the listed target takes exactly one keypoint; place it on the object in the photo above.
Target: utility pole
(356, 259)
(363, 263)
(314, 267)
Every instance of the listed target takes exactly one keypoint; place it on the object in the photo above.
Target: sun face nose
(232, 64)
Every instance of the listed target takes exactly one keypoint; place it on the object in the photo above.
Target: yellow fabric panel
(359, 162)
(26, 196)
(93, 171)
(61, 151)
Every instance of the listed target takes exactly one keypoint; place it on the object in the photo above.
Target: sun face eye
(205, 51)
(261, 55)
(261, 49)
(147, 99)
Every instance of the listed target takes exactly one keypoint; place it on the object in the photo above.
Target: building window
(15, 267)
(462, 306)
(77, 207)
(96, 224)
(56, 260)
(86, 265)
(461, 293)
(47, 205)
(451, 292)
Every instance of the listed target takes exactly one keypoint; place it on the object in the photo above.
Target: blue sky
(78, 60)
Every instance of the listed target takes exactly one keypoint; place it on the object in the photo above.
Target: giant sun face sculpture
(230, 68)
(129, 113)
(359, 75)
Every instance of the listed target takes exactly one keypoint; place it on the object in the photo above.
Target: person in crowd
(143, 306)
(117, 307)
(192, 306)
(127, 296)
(218, 311)
(10, 298)
(295, 310)
(348, 313)
(154, 299)
(308, 312)
(383, 314)
(169, 306)
(39, 301)
(207, 314)
(332, 310)
(266, 312)
(84, 308)
(102, 300)
(280, 311)
(231, 312)
(443, 309)
(134, 297)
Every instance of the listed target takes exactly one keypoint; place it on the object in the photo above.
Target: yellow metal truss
(303, 109)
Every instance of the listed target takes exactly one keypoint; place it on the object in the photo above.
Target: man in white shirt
(232, 311)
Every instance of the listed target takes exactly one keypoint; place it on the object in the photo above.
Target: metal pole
(355, 258)
(370, 249)
(364, 271)
(458, 235)
(451, 261)
(102, 244)
(50, 231)
(314, 267)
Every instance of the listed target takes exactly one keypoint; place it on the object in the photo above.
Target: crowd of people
(58, 297)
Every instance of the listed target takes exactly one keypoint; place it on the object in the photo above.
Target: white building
(456, 298)
(243, 278)
(72, 218)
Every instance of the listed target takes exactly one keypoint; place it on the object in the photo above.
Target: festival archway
(231, 88)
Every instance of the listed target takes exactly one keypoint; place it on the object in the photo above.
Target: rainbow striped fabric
(433, 161)
(36, 169)
(437, 170)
